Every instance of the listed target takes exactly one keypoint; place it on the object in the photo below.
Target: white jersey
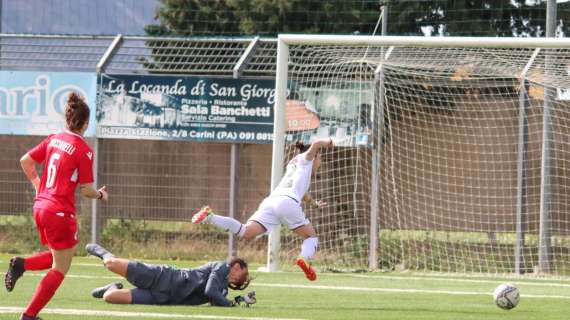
(297, 179)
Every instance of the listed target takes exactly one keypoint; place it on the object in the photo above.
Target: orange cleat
(306, 267)
(202, 215)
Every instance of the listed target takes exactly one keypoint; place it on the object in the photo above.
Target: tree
(264, 17)
(193, 17)
(505, 18)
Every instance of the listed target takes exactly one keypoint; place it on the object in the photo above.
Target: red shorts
(57, 230)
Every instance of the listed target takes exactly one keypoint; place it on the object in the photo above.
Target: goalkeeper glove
(248, 299)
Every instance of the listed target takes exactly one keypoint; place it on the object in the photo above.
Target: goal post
(278, 146)
(451, 152)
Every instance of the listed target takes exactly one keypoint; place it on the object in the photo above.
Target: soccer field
(288, 295)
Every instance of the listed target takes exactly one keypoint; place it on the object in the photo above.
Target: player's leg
(145, 277)
(308, 250)
(118, 296)
(98, 293)
(118, 266)
(253, 229)
(113, 264)
(132, 296)
(206, 215)
(18, 265)
(51, 281)
(98, 251)
(310, 244)
(41, 260)
(257, 224)
(60, 232)
(291, 212)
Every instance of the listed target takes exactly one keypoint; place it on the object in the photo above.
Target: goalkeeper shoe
(15, 271)
(306, 267)
(98, 251)
(202, 215)
(98, 293)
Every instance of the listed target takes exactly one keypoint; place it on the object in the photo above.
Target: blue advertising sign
(33, 103)
(185, 108)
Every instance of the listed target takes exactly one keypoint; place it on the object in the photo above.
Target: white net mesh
(456, 166)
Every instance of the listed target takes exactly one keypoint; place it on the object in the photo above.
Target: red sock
(44, 292)
(39, 261)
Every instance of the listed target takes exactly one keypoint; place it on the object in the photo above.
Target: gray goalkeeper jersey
(207, 283)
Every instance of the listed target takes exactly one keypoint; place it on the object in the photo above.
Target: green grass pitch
(288, 295)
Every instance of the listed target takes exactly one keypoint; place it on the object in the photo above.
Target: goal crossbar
(466, 42)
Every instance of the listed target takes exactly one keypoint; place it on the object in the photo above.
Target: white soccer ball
(506, 296)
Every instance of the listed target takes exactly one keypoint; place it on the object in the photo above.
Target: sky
(103, 17)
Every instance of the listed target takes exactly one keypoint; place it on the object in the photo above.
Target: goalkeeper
(165, 285)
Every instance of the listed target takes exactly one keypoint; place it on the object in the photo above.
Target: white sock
(309, 248)
(227, 224)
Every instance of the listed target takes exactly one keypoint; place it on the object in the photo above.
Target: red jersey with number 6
(67, 160)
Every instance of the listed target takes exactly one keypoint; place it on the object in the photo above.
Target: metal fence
(155, 186)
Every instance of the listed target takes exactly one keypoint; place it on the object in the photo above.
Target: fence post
(95, 219)
(234, 192)
(94, 203)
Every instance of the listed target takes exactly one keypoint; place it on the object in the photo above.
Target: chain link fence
(155, 186)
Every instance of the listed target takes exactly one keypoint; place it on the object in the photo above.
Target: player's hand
(103, 191)
(321, 204)
(247, 299)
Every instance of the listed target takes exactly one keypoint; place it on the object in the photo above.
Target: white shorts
(277, 210)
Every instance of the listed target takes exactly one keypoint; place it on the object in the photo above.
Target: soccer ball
(506, 296)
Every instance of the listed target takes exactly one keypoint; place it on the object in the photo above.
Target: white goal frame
(285, 40)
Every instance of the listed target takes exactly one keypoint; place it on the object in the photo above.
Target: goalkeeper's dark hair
(243, 283)
(302, 146)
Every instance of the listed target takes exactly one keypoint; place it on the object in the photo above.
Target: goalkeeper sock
(227, 224)
(309, 248)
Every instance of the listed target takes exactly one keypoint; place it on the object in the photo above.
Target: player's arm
(85, 166)
(310, 202)
(214, 288)
(316, 146)
(89, 191)
(34, 156)
(29, 167)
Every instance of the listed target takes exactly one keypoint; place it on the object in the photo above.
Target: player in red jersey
(67, 161)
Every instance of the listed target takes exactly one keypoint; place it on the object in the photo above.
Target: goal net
(451, 155)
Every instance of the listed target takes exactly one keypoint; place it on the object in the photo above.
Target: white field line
(442, 279)
(88, 264)
(393, 290)
(526, 283)
(124, 314)
(363, 289)
(540, 282)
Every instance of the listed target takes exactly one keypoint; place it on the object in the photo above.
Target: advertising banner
(185, 108)
(33, 103)
(342, 111)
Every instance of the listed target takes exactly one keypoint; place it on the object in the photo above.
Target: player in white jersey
(283, 206)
